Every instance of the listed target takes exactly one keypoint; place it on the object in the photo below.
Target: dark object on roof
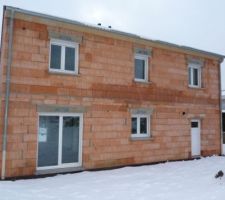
(219, 174)
(122, 33)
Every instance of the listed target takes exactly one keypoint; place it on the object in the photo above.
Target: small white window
(194, 73)
(140, 126)
(141, 68)
(63, 56)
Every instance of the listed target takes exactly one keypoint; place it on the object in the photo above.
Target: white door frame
(199, 127)
(222, 145)
(60, 164)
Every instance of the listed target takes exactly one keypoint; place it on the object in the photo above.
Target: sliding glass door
(59, 140)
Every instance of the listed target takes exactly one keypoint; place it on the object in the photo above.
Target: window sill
(142, 82)
(195, 87)
(63, 73)
(59, 170)
(149, 138)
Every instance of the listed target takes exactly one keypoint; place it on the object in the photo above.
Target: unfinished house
(79, 97)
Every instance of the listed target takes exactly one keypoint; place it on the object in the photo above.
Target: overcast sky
(195, 23)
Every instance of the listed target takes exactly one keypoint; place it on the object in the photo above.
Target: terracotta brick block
(14, 155)
(32, 146)
(43, 90)
(15, 146)
(30, 137)
(38, 42)
(29, 154)
(38, 58)
(31, 163)
(19, 129)
(26, 48)
(15, 138)
(28, 171)
(18, 163)
(14, 172)
(22, 56)
(43, 35)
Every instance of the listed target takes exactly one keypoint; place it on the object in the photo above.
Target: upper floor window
(63, 56)
(141, 68)
(194, 73)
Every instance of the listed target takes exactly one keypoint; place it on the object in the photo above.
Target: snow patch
(187, 180)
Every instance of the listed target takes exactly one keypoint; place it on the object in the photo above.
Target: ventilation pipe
(7, 93)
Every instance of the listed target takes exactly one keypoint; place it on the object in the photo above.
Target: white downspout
(7, 87)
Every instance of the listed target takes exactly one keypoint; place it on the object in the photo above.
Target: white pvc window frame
(60, 164)
(64, 44)
(191, 67)
(139, 134)
(145, 59)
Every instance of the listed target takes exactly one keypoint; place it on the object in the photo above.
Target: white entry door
(223, 122)
(195, 138)
(223, 152)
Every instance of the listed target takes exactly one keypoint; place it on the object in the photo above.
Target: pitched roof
(114, 31)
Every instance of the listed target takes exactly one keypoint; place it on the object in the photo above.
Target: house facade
(79, 97)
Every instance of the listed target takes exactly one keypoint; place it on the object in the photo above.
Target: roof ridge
(75, 22)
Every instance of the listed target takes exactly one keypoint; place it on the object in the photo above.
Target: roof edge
(220, 57)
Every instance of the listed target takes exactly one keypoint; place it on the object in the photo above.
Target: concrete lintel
(147, 52)
(195, 61)
(141, 111)
(64, 36)
(63, 109)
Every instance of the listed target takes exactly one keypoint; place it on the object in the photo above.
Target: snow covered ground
(169, 181)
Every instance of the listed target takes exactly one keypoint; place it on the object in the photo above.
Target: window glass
(55, 62)
(139, 69)
(194, 73)
(134, 125)
(223, 121)
(195, 76)
(223, 137)
(194, 124)
(189, 75)
(139, 126)
(143, 125)
(48, 140)
(70, 59)
(58, 146)
(70, 140)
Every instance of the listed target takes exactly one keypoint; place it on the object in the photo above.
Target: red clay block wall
(105, 87)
